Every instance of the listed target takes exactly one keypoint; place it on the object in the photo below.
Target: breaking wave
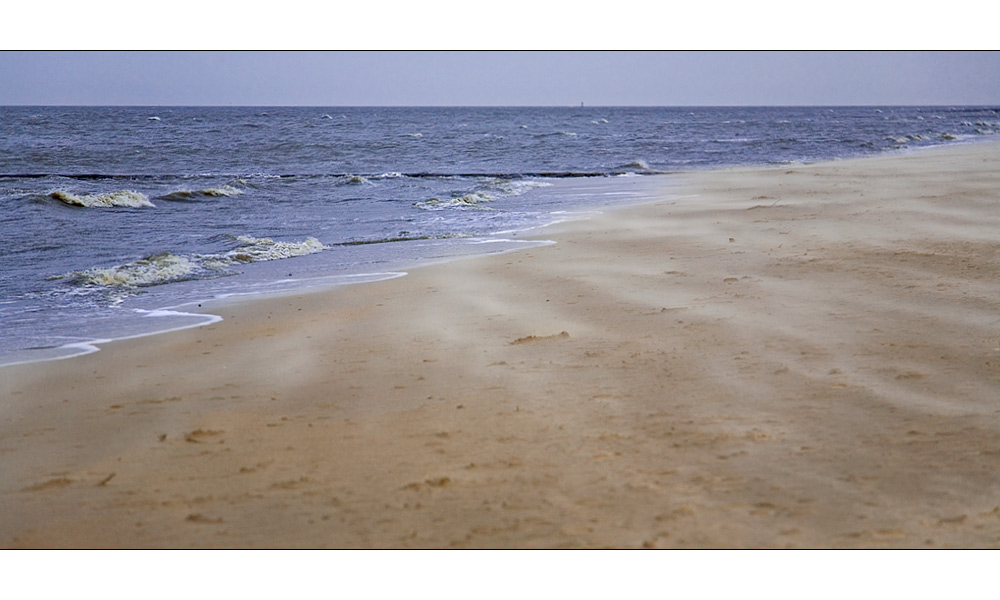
(165, 267)
(472, 200)
(637, 164)
(152, 270)
(516, 187)
(491, 191)
(353, 180)
(121, 198)
(224, 191)
(253, 249)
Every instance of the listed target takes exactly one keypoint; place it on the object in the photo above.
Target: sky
(498, 78)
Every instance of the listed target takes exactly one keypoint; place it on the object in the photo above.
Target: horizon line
(581, 105)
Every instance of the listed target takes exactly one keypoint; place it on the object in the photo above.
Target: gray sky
(506, 78)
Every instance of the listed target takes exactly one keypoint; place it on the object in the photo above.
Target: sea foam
(152, 270)
(472, 200)
(121, 198)
(493, 190)
(165, 267)
(253, 249)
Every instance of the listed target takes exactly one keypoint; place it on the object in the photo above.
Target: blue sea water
(118, 220)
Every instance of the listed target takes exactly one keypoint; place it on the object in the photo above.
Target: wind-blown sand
(806, 356)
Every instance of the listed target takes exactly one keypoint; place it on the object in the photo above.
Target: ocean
(127, 221)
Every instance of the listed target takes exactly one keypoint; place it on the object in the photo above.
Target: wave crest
(219, 192)
(253, 249)
(637, 164)
(165, 267)
(516, 187)
(488, 192)
(121, 198)
(472, 200)
(152, 270)
(354, 180)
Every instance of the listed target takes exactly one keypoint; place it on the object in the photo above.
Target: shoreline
(85, 346)
(129, 323)
(803, 357)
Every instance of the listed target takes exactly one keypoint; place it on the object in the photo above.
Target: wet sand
(805, 356)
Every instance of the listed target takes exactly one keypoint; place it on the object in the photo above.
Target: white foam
(166, 267)
(153, 270)
(638, 164)
(294, 286)
(263, 249)
(166, 312)
(472, 200)
(121, 198)
(478, 241)
(91, 346)
(516, 187)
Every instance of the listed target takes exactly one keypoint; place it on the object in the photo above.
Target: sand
(805, 356)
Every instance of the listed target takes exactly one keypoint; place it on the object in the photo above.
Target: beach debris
(436, 482)
(535, 338)
(198, 435)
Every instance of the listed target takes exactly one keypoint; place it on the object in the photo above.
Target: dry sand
(806, 356)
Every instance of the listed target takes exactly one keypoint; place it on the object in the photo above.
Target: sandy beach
(804, 357)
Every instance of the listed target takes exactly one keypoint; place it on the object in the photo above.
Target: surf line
(91, 346)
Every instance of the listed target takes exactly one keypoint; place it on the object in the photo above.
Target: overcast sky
(499, 78)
